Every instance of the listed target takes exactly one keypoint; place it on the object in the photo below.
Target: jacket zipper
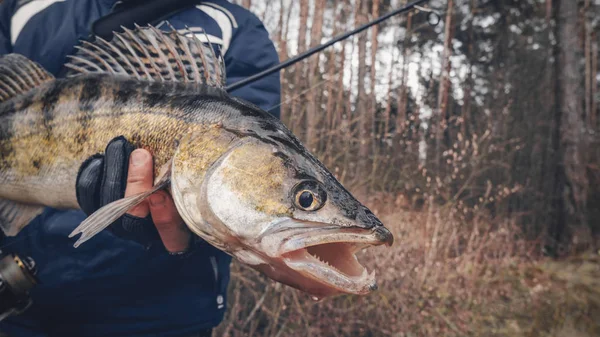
(215, 267)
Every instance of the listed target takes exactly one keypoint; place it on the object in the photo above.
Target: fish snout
(368, 219)
(384, 235)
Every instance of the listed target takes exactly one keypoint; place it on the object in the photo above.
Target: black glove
(102, 179)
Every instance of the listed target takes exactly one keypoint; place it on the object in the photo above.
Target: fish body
(239, 178)
(48, 132)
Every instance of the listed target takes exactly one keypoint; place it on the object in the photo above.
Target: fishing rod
(432, 18)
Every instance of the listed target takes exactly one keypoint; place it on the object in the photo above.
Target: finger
(140, 230)
(88, 184)
(115, 170)
(139, 179)
(172, 230)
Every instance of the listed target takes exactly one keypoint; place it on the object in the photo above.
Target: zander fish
(239, 178)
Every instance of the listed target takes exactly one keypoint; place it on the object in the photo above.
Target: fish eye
(309, 196)
(306, 199)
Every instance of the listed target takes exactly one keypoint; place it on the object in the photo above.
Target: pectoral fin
(14, 216)
(108, 214)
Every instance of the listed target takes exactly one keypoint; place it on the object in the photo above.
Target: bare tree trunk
(388, 106)
(362, 106)
(444, 87)
(572, 130)
(281, 29)
(312, 115)
(302, 29)
(347, 123)
(466, 109)
(286, 33)
(283, 55)
(594, 115)
(297, 109)
(573, 135)
(402, 101)
(588, 62)
(372, 97)
(347, 120)
(374, 46)
(336, 126)
(331, 89)
(429, 133)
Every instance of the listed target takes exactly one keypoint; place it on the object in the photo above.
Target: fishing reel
(17, 277)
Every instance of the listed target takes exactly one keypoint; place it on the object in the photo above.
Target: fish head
(279, 210)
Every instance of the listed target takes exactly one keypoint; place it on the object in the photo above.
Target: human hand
(122, 172)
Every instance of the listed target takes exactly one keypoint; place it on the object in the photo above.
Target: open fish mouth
(328, 257)
(334, 265)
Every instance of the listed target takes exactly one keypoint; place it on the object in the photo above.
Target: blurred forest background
(477, 141)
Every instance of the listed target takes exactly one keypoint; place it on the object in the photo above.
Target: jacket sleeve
(6, 8)
(252, 51)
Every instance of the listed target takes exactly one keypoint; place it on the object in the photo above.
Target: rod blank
(318, 48)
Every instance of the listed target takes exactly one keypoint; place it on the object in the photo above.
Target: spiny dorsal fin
(18, 75)
(147, 53)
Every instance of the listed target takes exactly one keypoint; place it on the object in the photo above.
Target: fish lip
(384, 235)
(375, 235)
(291, 251)
(335, 234)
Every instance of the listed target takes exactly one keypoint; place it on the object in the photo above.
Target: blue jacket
(110, 286)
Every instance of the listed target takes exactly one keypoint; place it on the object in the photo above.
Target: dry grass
(442, 277)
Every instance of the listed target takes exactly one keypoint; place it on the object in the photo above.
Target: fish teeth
(368, 276)
(322, 260)
(325, 262)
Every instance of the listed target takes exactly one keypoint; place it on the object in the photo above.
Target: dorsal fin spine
(164, 57)
(188, 53)
(105, 53)
(132, 52)
(91, 64)
(159, 51)
(196, 70)
(10, 91)
(206, 74)
(151, 54)
(146, 53)
(23, 76)
(76, 68)
(173, 49)
(18, 83)
(117, 42)
(131, 47)
(14, 85)
(121, 56)
(19, 75)
(91, 54)
(4, 95)
(218, 70)
(31, 73)
(40, 72)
